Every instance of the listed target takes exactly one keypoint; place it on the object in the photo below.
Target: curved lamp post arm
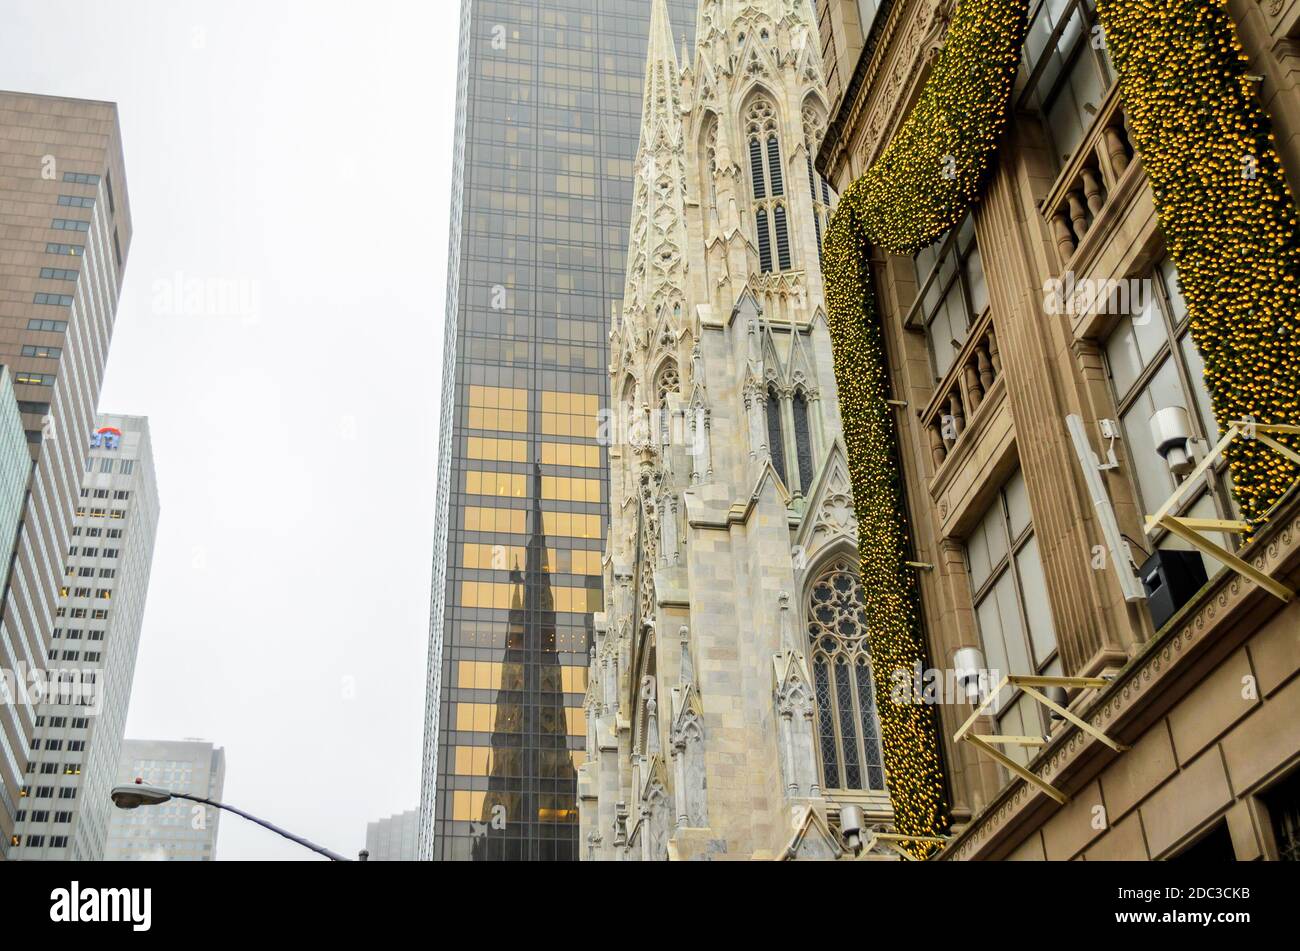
(332, 856)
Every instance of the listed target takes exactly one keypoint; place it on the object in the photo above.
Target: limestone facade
(730, 706)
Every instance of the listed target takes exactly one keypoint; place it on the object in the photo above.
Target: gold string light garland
(1230, 224)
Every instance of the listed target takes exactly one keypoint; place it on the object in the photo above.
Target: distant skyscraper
(15, 473)
(65, 229)
(76, 745)
(548, 114)
(395, 839)
(180, 830)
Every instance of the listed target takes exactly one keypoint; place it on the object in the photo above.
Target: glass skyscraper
(548, 119)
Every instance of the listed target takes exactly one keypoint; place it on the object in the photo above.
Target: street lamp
(138, 794)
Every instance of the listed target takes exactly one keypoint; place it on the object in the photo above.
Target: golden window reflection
(568, 454)
(510, 521)
(502, 484)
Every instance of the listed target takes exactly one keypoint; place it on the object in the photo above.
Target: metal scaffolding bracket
(1029, 685)
(1190, 529)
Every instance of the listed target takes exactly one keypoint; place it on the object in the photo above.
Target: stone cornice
(1138, 694)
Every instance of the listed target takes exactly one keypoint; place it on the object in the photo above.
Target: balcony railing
(960, 394)
(1083, 190)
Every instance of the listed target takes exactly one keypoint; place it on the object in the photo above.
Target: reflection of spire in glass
(532, 782)
(547, 122)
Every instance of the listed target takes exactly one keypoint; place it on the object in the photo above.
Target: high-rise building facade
(395, 839)
(77, 739)
(731, 709)
(179, 830)
(65, 231)
(548, 113)
(1028, 351)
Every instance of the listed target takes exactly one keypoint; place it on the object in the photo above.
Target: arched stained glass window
(848, 731)
(774, 165)
(771, 224)
(803, 442)
(814, 130)
(782, 238)
(775, 437)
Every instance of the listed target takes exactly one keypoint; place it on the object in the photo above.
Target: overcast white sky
(303, 149)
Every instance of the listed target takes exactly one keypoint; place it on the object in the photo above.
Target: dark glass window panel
(756, 168)
(848, 729)
(803, 442)
(775, 439)
(764, 242)
(812, 176)
(782, 238)
(774, 165)
(826, 725)
(870, 734)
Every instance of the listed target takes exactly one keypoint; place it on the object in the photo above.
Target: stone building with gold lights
(730, 704)
(1056, 433)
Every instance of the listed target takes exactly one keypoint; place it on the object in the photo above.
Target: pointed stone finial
(688, 668)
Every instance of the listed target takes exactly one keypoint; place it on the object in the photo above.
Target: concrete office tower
(65, 230)
(395, 839)
(731, 708)
(75, 745)
(180, 830)
(548, 108)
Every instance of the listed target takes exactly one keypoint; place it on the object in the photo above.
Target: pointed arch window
(775, 435)
(803, 442)
(814, 130)
(771, 219)
(848, 731)
(711, 163)
(669, 382)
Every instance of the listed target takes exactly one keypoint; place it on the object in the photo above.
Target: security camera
(968, 664)
(851, 827)
(1171, 431)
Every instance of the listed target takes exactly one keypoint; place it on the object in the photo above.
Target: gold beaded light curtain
(1230, 224)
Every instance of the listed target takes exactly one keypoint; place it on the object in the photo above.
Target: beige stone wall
(1199, 759)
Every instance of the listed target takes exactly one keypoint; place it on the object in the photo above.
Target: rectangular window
(34, 379)
(953, 293)
(69, 224)
(1069, 71)
(55, 300)
(570, 414)
(1153, 364)
(571, 525)
(76, 201)
(1011, 606)
(48, 326)
(503, 484)
(80, 178)
(496, 450)
(506, 521)
(570, 490)
(498, 408)
(43, 353)
(569, 454)
(59, 274)
(67, 250)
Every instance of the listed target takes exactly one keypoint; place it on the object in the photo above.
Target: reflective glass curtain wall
(548, 119)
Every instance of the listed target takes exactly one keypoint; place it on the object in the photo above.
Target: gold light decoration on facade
(1228, 217)
(1230, 224)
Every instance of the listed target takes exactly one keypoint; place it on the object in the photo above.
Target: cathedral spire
(662, 78)
(657, 251)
